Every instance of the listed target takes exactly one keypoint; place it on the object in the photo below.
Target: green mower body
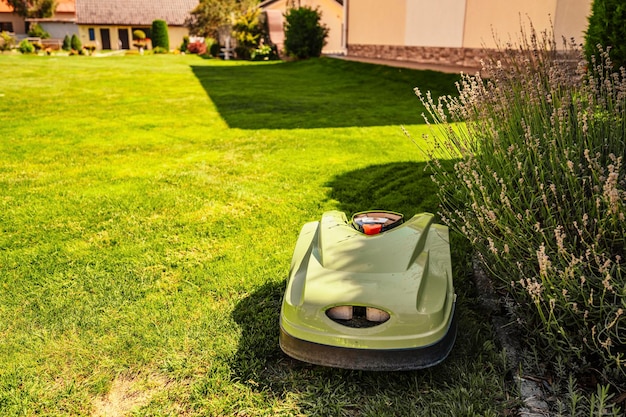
(372, 294)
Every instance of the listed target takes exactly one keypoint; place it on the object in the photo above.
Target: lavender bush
(539, 188)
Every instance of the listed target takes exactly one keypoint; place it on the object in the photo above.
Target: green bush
(26, 47)
(6, 41)
(305, 36)
(607, 29)
(159, 50)
(214, 49)
(539, 188)
(248, 32)
(67, 43)
(183, 46)
(75, 43)
(37, 31)
(139, 35)
(160, 36)
(263, 53)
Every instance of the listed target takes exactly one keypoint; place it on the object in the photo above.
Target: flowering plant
(539, 188)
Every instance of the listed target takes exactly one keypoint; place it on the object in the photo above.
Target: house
(9, 21)
(62, 23)
(110, 24)
(332, 15)
(453, 31)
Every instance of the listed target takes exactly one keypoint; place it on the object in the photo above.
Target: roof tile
(133, 12)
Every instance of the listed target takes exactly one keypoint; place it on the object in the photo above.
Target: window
(92, 34)
(6, 26)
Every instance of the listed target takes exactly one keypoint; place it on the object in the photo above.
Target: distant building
(332, 15)
(110, 24)
(105, 24)
(62, 23)
(9, 21)
(453, 31)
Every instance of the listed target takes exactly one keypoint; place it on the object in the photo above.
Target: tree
(33, 8)
(606, 28)
(160, 37)
(210, 15)
(305, 36)
(67, 43)
(75, 43)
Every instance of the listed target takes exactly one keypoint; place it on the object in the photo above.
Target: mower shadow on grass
(457, 386)
(258, 315)
(403, 187)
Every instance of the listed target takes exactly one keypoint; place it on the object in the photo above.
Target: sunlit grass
(145, 243)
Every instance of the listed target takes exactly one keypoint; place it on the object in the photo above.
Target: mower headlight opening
(357, 316)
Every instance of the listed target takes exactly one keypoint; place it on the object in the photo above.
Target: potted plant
(139, 40)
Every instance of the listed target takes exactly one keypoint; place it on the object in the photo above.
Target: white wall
(58, 30)
(435, 23)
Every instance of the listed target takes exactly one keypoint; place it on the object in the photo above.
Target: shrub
(263, 53)
(214, 49)
(139, 35)
(305, 36)
(606, 28)
(26, 47)
(37, 31)
(160, 36)
(75, 43)
(197, 48)
(248, 32)
(67, 43)
(539, 188)
(183, 46)
(6, 41)
(159, 50)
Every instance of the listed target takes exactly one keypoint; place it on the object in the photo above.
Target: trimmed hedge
(75, 43)
(160, 36)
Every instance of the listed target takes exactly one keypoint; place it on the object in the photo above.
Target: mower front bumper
(370, 359)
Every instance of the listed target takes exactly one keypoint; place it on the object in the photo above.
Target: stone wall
(465, 57)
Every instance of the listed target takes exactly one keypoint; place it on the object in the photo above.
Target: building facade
(454, 31)
(110, 25)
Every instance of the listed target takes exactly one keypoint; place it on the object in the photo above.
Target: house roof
(63, 6)
(66, 6)
(5, 8)
(133, 12)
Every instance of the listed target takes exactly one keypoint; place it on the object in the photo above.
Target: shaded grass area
(145, 244)
(319, 93)
(447, 389)
(404, 187)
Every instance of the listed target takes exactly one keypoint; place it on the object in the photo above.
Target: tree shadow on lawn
(318, 93)
(455, 385)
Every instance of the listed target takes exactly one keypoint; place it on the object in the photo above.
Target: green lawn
(149, 206)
